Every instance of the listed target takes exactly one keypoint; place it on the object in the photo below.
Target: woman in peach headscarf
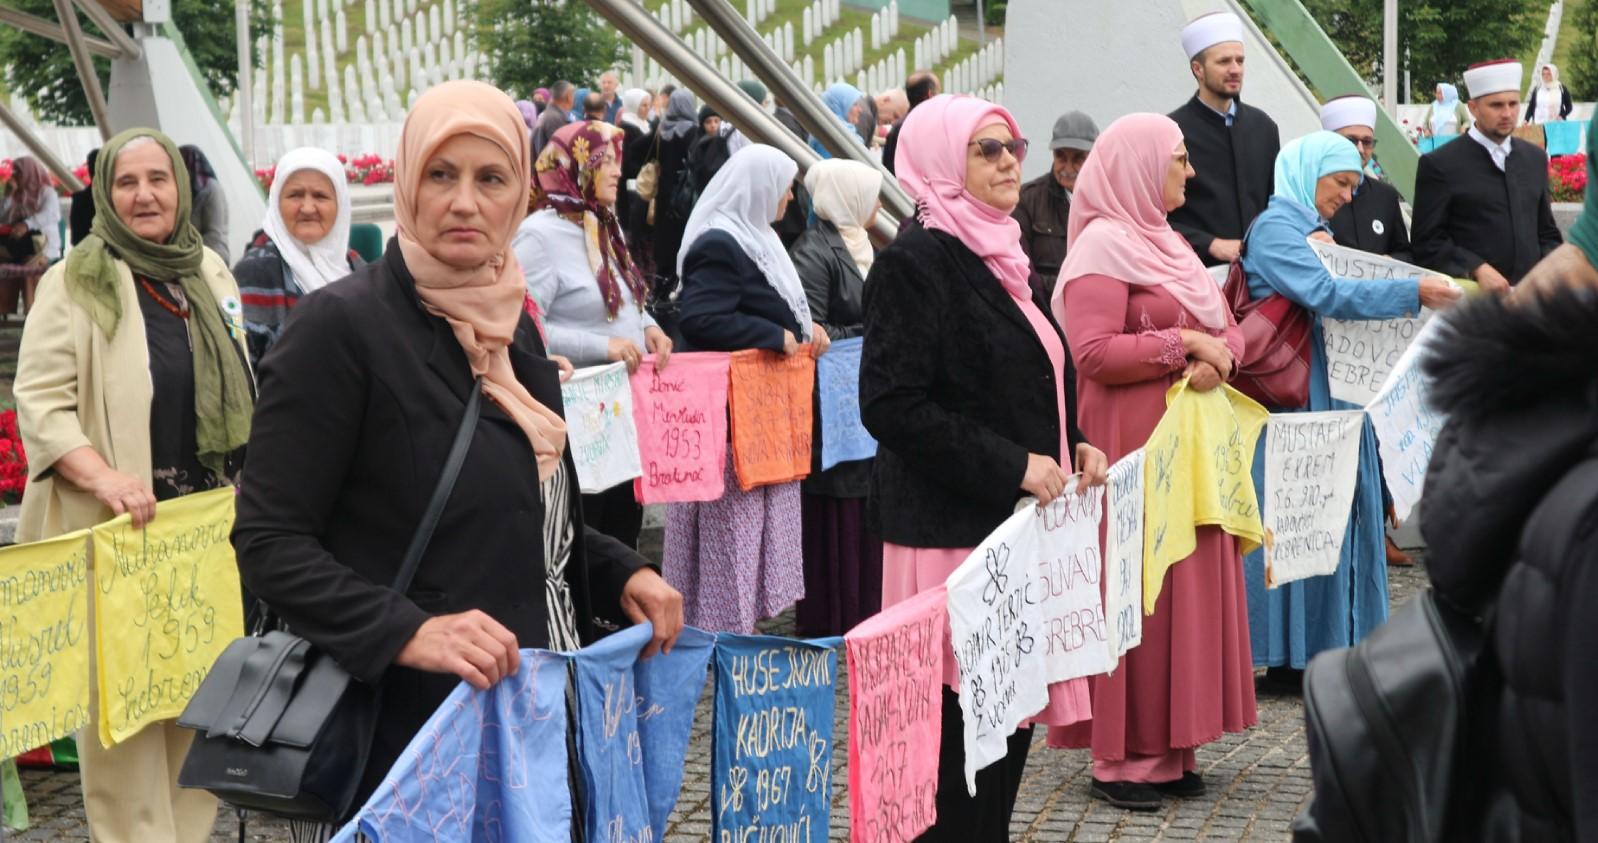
(1141, 313)
(360, 400)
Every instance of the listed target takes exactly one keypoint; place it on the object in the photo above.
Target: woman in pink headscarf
(966, 384)
(1141, 313)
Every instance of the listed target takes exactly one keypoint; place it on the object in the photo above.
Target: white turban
(1352, 110)
(1493, 77)
(1208, 30)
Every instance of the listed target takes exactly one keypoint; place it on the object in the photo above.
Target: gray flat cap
(1074, 130)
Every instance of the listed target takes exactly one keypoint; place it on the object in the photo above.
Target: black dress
(1234, 172)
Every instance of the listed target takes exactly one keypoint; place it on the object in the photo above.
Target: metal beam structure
(53, 31)
(113, 30)
(728, 99)
(246, 92)
(1390, 56)
(785, 85)
(85, 65)
(39, 149)
(1332, 76)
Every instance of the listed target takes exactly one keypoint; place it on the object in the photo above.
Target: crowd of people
(1015, 336)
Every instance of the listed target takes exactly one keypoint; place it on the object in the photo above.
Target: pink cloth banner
(681, 416)
(895, 718)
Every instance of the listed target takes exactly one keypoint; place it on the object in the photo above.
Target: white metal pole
(246, 92)
(1390, 56)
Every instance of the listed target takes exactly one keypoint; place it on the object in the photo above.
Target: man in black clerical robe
(1481, 200)
(1373, 222)
(1232, 147)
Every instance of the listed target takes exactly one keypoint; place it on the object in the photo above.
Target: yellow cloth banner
(44, 641)
(167, 603)
(1198, 471)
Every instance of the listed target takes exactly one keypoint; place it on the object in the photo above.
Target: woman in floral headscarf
(578, 270)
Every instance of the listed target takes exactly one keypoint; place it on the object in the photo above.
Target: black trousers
(984, 818)
(616, 513)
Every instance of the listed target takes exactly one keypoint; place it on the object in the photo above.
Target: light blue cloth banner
(633, 724)
(487, 766)
(1566, 137)
(771, 759)
(1427, 144)
(843, 436)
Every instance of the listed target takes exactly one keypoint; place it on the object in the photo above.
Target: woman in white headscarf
(636, 143)
(1549, 100)
(843, 563)
(303, 244)
(1446, 115)
(736, 559)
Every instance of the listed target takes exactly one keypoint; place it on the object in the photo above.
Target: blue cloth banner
(1565, 137)
(843, 435)
(488, 765)
(633, 724)
(1427, 144)
(771, 764)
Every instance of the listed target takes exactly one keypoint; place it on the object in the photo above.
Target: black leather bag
(282, 727)
(1390, 725)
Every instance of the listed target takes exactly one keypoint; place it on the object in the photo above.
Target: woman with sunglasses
(966, 384)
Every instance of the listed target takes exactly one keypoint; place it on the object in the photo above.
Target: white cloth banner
(1361, 353)
(1311, 465)
(1069, 567)
(1123, 555)
(997, 635)
(1406, 426)
(599, 427)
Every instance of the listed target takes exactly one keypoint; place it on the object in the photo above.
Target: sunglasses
(1367, 143)
(991, 148)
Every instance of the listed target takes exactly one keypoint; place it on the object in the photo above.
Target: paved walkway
(1258, 781)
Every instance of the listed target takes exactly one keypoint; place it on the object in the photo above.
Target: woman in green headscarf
(1315, 176)
(133, 387)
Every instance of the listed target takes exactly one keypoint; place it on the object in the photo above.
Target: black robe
(1234, 172)
(1468, 212)
(1373, 222)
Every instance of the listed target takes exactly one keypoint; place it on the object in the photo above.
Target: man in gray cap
(1046, 201)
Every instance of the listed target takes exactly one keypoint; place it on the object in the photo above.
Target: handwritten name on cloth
(1361, 353)
(633, 723)
(681, 417)
(771, 753)
(488, 765)
(1068, 569)
(171, 595)
(44, 641)
(771, 422)
(1311, 463)
(1406, 426)
(996, 627)
(1123, 554)
(843, 436)
(1197, 472)
(895, 717)
(599, 427)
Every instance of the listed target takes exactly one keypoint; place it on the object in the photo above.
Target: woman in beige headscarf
(360, 399)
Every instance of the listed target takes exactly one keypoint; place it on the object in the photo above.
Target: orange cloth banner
(771, 412)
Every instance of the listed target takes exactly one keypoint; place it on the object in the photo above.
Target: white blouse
(554, 258)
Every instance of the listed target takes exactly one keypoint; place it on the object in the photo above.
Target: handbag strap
(441, 493)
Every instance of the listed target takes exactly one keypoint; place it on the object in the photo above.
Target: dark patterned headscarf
(563, 179)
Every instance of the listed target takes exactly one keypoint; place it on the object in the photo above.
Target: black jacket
(890, 147)
(835, 291)
(1373, 222)
(956, 389)
(726, 303)
(1043, 213)
(360, 400)
(673, 157)
(1468, 212)
(1511, 518)
(1234, 173)
(82, 216)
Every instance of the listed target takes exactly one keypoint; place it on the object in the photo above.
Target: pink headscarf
(1118, 226)
(931, 168)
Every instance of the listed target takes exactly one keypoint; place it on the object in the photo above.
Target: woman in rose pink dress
(1141, 313)
(966, 384)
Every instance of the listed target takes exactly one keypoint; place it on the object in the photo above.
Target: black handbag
(282, 727)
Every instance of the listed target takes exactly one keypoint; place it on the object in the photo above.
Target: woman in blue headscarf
(1316, 175)
(841, 100)
(1446, 115)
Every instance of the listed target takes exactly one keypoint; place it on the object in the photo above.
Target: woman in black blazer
(843, 562)
(360, 400)
(736, 559)
(966, 384)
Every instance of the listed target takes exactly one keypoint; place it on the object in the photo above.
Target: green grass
(1569, 35)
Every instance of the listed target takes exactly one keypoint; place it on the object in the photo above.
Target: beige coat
(76, 387)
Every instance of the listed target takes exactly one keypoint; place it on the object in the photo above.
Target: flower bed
(6, 168)
(13, 462)
(362, 169)
(1567, 177)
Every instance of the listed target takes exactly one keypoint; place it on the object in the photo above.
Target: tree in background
(41, 71)
(1580, 74)
(1441, 37)
(531, 43)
